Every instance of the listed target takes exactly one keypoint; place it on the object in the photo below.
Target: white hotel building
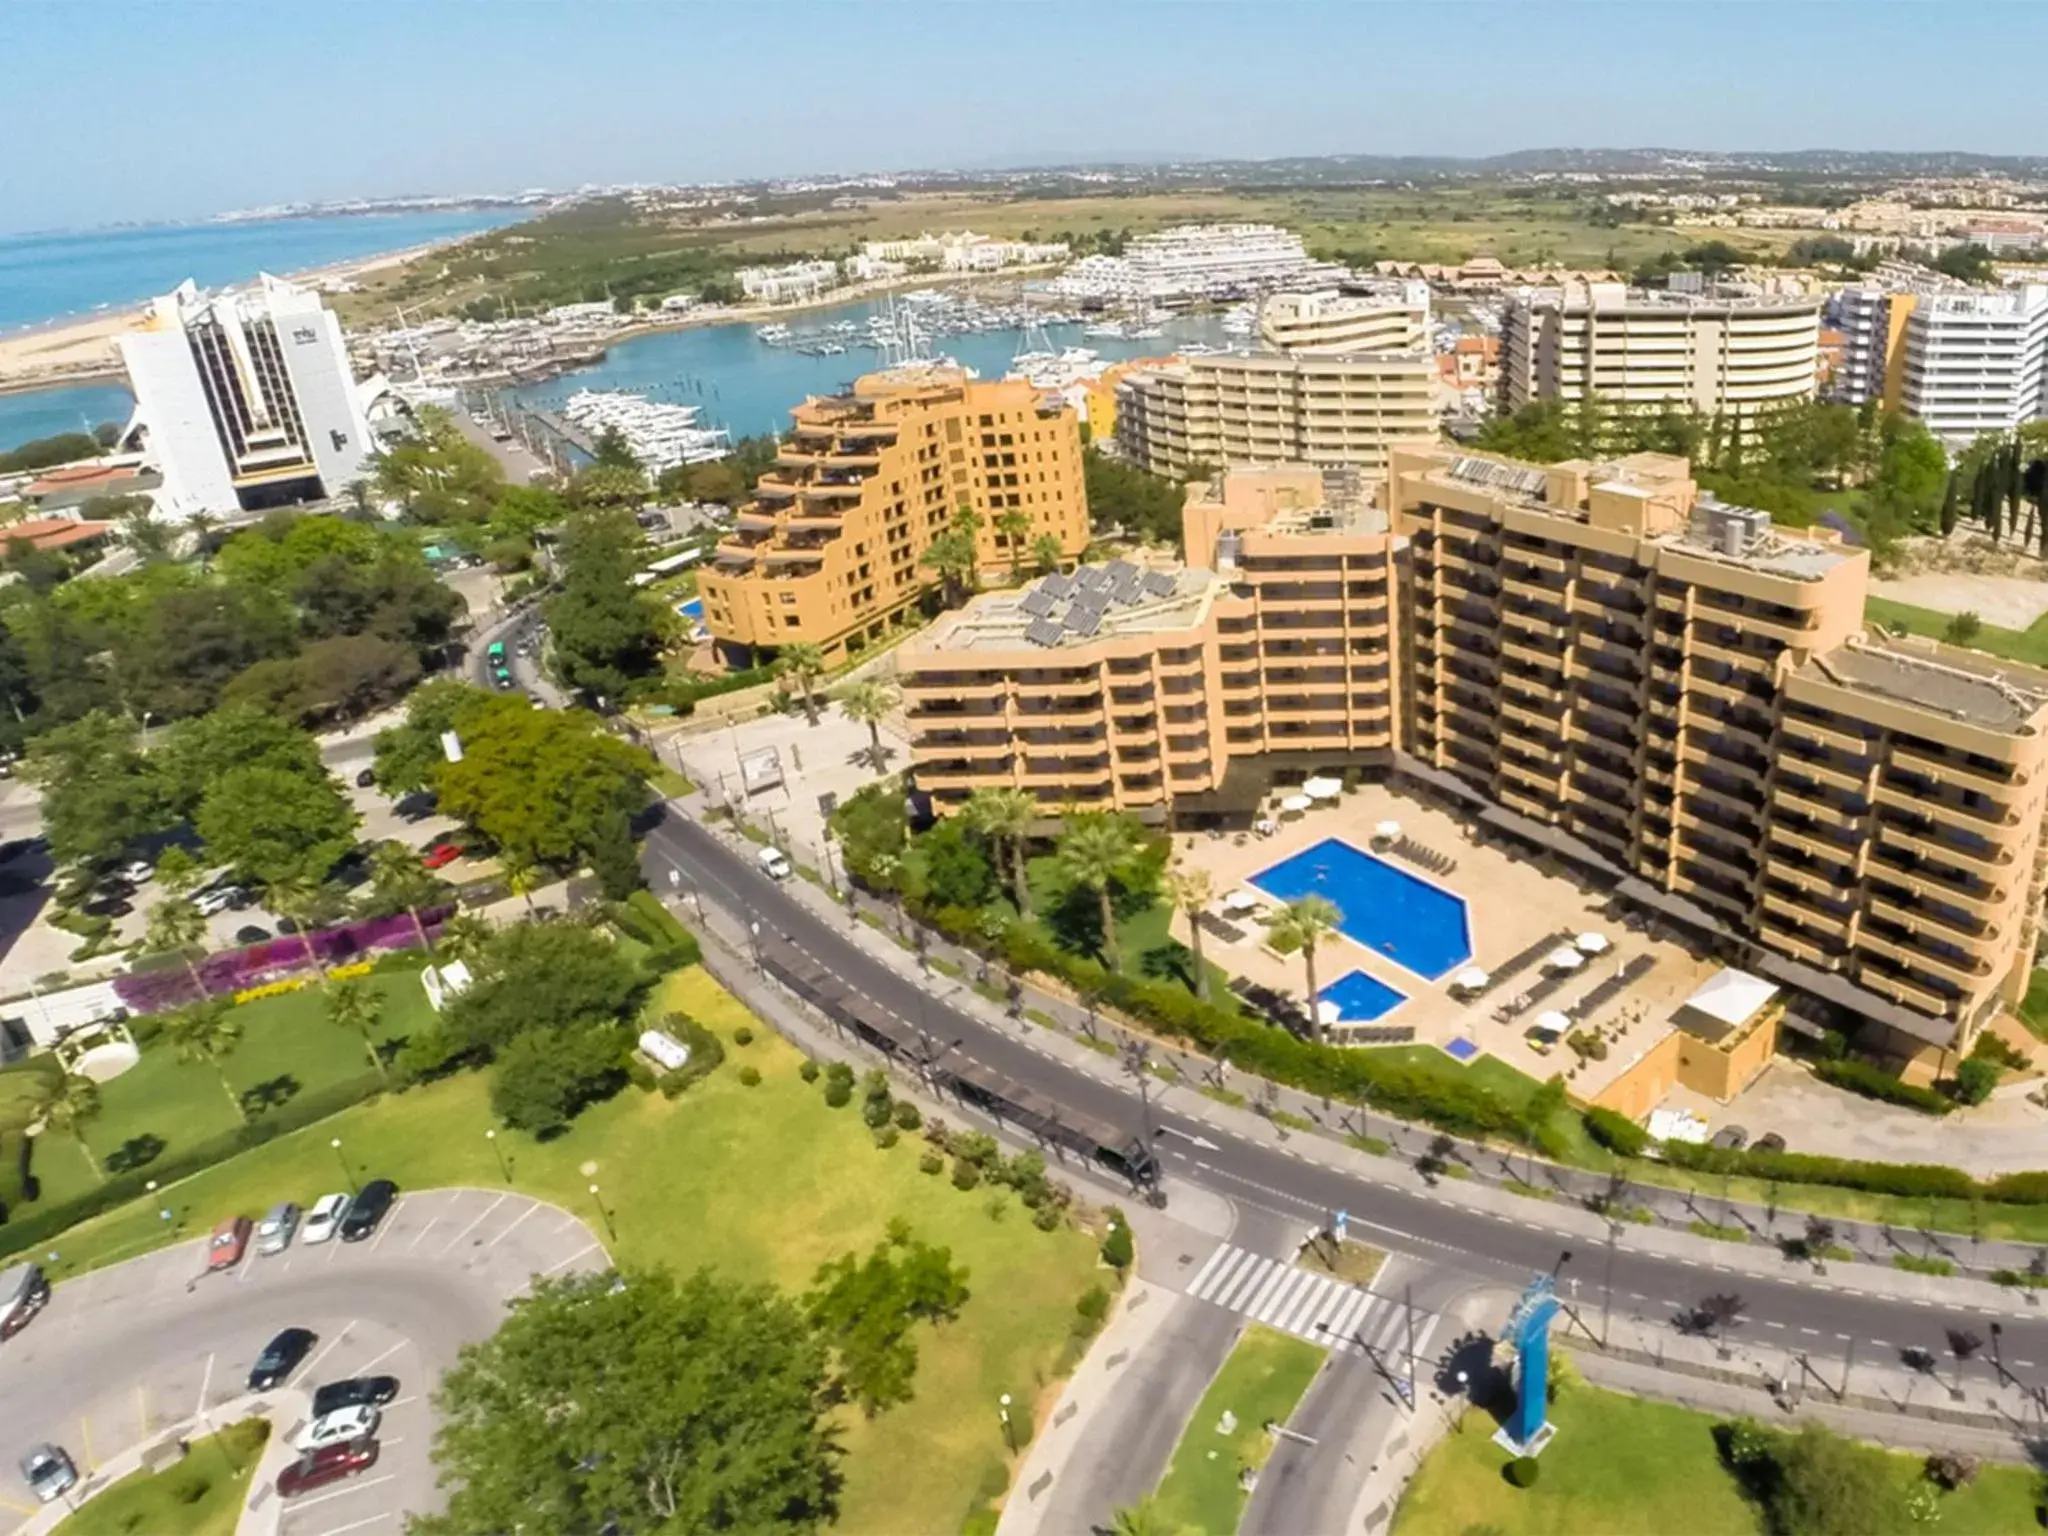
(1961, 360)
(1194, 263)
(247, 398)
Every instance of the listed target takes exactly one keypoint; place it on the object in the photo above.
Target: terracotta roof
(72, 477)
(54, 532)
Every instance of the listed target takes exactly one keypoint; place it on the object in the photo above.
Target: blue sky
(155, 109)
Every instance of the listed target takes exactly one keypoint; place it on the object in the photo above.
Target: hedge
(42, 1224)
(1616, 1132)
(641, 916)
(1923, 1181)
(1875, 1083)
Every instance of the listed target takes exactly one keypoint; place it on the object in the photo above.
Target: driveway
(126, 1353)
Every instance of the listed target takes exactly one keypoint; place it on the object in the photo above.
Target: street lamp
(491, 1136)
(610, 1231)
(1009, 1431)
(347, 1172)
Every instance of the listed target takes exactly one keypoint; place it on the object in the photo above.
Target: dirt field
(2010, 602)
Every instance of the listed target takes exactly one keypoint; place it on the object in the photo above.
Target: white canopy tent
(1323, 789)
(1553, 1021)
(1387, 832)
(1592, 944)
(1328, 1013)
(1296, 803)
(1241, 901)
(1563, 958)
(1471, 979)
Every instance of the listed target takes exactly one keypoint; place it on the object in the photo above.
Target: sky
(142, 110)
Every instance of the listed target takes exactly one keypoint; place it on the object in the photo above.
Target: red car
(329, 1464)
(229, 1242)
(440, 854)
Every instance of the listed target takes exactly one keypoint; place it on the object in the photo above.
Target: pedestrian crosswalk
(1310, 1306)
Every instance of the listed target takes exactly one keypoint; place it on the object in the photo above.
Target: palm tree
(464, 938)
(1013, 525)
(175, 926)
(803, 664)
(870, 702)
(397, 878)
(202, 526)
(1093, 853)
(1144, 1518)
(1191, 889)
(294, 896)
(1046, 553)
(1307, 922)
(355, 1005)
(208, 1032)
(1004, 817)
(76, 1102)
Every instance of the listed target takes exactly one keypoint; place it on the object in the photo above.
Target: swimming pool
(1360, 998)
(1419, 926)
(692, 609)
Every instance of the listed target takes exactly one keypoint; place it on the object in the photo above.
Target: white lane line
(1337, 1326)
(458, 1237)
(1279, 1295)
(1227, 1274)
(321, 1354)
(205, 1381)
(1194, 1286)
(1303, 1304)
(1253, 1276)
(357, 1525)
(384, 1227)
(341, 1493)
(421, 1235)
(247, 1267)
(377, 1360)
(530, 1209)
(1278, 1278)
(579, 1253)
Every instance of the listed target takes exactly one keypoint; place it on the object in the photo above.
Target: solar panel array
(1158, 584)
(1087, 596)
(1043, 632)
(1514, 477)
(1083, 620)
(1059, 584)
(1039, 603)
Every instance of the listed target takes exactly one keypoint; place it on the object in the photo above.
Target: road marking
(142, 1406)
(531, 1207)
(1815, 1332)
(247, 1267)
(85, 1435)
(324, 1351)
(384, 1227)
(579, 1253)
(1773, 1325)
(205, 1381)
(378, 1359)
(342, 1493)
(420, 1236)
(458, 1237)
(353, 1525)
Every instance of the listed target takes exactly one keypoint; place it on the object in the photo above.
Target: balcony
(1857, 747)
(1956, 771)
(1929, 841)
(1965, 972)
(1788, 942)
(1899, 989)
(1954, 925)
(1800, 914)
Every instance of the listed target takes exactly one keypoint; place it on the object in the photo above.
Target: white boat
(660, 436)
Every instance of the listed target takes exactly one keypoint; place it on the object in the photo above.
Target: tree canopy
(606, 631)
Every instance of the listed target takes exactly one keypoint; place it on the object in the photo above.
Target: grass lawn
(2033, 1009)
(1621, 1465)
(1260, 1383)
(765, 1183)
(201, 1495)
(2029, 645)
(286, 1041)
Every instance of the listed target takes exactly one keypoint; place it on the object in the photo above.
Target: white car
(219, 899)
(324, 1218)
(351, 1423)
(775, 863)
(135, 871)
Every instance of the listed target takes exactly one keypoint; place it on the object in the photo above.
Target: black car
(356, 1392)
(367, 1209)
(281, 1357)
(366, 779)
(249, 933)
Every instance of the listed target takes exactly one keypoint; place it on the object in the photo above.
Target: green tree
(544, 1078)
(1046, 553)
(864, 1310)
(662, 1405)
(400, 883)
(1963, 628)
(437, 475)
(531, 977)
(1305, 923)
(296, 896)
(803, 664)
(276, 826)
(1191, 888)
(873, 830)
(604, 631)
(1094, 852)
(1005, 817)
(355, 1005)
(409, 756)
(1015, 527)
(1829, 1485)
(100, 794)
(197, 753)
(175, 927)
(870, 702)
(956, 873)
(75, 1105)
(208, 1032)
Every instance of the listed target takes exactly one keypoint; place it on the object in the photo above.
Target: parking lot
(125, 1354)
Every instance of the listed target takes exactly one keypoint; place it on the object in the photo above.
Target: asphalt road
(124, 1354)
(1485, 1248)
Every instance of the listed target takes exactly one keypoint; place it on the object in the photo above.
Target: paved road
(1484, 1247)
(121, 1355)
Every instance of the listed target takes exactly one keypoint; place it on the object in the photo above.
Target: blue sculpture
(1528, 1334)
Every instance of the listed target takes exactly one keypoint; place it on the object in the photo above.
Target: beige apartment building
(1674, 695)
(1644, 350)
(828, 550)
(1391, 318)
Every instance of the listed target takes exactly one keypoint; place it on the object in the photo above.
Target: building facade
(828, 551)
(1673, 694)
(1393, 318)
(1196, 263)
(1961, 360)
(1642, 350)
(247, 398)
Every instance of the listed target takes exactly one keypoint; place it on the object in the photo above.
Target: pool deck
(1514, 899)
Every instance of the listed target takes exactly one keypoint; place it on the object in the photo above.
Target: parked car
(251, 933)
(48, 1471)
(353, 1393)
(1731, 1138)
(1770, 1141)
(367, 1209)
(775, 863)
(221, 898)
(356, 1422)
(280, 1357)
(135, 871)
(274, 1232)
(440, 855)
(329, 1464)
(324, 1218)
(367, 779)
(23, 1293)
(229, 1242)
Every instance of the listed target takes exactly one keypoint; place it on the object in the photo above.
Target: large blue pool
(1361, 998)
(1419, 926)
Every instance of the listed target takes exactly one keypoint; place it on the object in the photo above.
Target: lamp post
(347, 1172)
(491, 1136)
(610, 1231)
(1009, 1430)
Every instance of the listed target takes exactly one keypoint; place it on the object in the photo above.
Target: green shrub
(1118, 1249)
(838, 1092)
(743, 1036)
(1875, 1083)
(750, 1077)
(1616, 1132)
(887, 1137)
(931, 1162)
(1922, 1264)
(1919, 1181)
(1975, 1078)
(1993, 1047)
(839, 1072)
(906, 1116)
(1523, 1471)
(707, 1051)
(965, 1174)
(1046, 1217)
(641, 1075)
(1094, 1304)
(808, 1071)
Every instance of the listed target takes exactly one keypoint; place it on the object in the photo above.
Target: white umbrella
(1240, 901)
(1323, 789)
(1553, 1021)
(1328, 1012)
(1563, 958)
(1296, 803)
(1592, 943)
(1387, 831)
(1471, 979)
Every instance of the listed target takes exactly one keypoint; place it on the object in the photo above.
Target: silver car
(48, 1472)
(274, 1232)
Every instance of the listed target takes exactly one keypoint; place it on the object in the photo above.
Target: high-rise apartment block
(1196, 263)
(247, 398)
(1648, 351)
(1960, 360)
(1673, 694)
(828, 550)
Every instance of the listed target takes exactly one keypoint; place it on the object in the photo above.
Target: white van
(776, 863)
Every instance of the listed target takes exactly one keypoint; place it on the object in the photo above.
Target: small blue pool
(692, 609)
(1460, 1049)
(1361, 998)
(1419, 926)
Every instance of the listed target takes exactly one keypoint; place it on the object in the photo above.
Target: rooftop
(1062, 610)
(1964, 685)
